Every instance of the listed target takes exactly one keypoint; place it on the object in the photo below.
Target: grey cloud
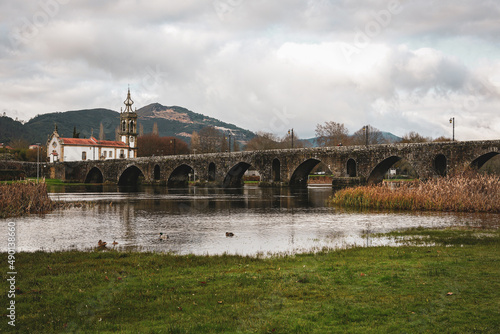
(238, 67)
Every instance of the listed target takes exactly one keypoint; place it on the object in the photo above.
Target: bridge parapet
(289, 166)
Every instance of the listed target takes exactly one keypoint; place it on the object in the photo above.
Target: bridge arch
(157, 173)
(180, 176)
(480, 161)
(301, 173)
(94, 176)
(130, 176)
(377, 174)
(211, 172)
(275, 170)
(440, 164)
(235, 174)
(351, 167)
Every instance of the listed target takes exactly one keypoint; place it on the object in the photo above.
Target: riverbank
(467, 192)
(453, 286)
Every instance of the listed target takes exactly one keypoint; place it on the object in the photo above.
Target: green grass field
(450, 287)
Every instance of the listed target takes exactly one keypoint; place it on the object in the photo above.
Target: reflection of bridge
(290, 166)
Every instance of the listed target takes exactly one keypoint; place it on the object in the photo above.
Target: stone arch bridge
(287, 166)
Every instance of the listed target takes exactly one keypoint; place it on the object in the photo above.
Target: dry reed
(466, 192)
(18, 199)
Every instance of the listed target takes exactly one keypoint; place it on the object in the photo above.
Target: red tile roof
(92, 142)
(112, 143)
(78, 141)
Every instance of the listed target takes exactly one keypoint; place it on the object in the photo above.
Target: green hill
(11, 130)
(171, 121)
(181, 122)
(84, 120)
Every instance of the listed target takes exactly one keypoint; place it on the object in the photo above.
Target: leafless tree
(441, 139)
(195, 142)
(263, 141)
(101, 132)
(368, 135)
(210, 139)
(332, 134)
(287, 141)
(236, 146)
(150, 144)
(414, 137)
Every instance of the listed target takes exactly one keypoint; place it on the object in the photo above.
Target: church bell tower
(128, 127)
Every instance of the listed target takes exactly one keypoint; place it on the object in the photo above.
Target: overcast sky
(270, 66)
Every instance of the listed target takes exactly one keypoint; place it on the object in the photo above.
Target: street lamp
(292, 135)
(229, 138)
(452, 121)
(37, 161)
(365, 130)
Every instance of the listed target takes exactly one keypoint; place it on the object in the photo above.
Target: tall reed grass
(17, 199)
(466, 192)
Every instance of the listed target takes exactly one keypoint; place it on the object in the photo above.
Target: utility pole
(452, 121)
(37, 162)
(229, 145)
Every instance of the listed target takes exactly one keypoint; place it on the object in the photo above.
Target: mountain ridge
(171, 121)
(186, 121)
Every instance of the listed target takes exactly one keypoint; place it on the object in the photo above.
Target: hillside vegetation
(179, 123)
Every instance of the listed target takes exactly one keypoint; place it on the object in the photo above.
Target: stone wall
(288, 166)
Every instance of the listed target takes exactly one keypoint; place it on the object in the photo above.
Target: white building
(78, 149)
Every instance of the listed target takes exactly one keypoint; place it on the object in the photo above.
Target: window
(122, 156)
(110, 154)
(84, 156)
(105, 153)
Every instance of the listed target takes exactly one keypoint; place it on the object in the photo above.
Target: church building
(78, 149)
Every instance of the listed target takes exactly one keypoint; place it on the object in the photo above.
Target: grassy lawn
(50, 182)
(452, 286)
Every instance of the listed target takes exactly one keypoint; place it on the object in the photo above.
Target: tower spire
(128, 102)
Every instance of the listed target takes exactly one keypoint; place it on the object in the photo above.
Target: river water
(264, 221)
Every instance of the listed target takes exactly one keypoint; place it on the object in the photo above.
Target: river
(264, 221)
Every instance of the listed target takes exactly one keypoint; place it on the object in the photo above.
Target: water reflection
(263, 220)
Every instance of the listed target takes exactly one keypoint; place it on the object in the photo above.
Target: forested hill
(171, 121)
(181, 122)
(11, 130)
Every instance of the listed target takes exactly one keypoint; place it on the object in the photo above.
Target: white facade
(77, 149)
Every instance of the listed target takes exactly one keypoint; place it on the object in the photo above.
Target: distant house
(78, 149)
(33, 147)
(7, 147)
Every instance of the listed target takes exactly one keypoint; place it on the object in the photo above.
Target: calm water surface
(263, 220)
